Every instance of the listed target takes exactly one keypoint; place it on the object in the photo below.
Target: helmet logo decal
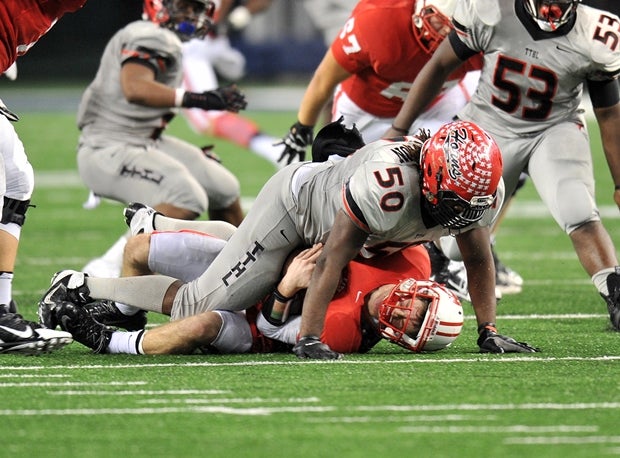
(456, 138)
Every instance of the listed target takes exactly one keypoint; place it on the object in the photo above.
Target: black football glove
(227, 98)
(296, 142)
(311, 347)
(492, 342)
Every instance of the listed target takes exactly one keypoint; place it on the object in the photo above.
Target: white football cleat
(140, 218)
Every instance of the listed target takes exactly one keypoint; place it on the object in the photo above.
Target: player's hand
(311, 347)
(492, 342)
(296, 142)
(227, 98)
(299, 271)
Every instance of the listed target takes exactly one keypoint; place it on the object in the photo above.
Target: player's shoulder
(379, 15)
(599, 32)
(152, 36)
(470, 13)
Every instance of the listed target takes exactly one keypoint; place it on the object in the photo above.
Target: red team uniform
(36, 17)
(345, 331)
(383, 63)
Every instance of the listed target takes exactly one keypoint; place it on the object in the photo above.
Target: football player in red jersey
(23, 23)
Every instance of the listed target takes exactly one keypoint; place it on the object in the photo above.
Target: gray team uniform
(529, 94)
(379, 189)
(122, 154)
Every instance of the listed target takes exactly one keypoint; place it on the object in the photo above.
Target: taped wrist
(488, 326)
(276, 317)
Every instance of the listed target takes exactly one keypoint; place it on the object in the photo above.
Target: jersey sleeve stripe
(353, 210)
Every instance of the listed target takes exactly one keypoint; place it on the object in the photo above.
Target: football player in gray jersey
(388, 195)
(122, 153)
(539, 55)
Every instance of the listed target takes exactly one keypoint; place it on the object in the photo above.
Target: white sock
(263, 145)
(600, 280)
(6, 287)
(129, 343)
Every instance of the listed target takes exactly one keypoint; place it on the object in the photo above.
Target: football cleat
(19, 336)
(506, 280)
(106, 312)
(140, 218)
(613, 299)
(83, 327)
(66, 285)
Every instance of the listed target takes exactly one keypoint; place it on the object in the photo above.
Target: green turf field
(455, 403)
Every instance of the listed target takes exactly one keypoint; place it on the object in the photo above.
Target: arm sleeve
(603, 93)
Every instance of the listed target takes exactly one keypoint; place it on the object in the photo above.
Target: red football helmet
(461, 168)
(551, 14)
(187, 18)
(441, 321)
(431, 22)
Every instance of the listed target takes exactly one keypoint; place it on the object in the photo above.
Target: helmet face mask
(461, 168)
(187, 18)
(431, 24)
(420, 315)
(549, 15)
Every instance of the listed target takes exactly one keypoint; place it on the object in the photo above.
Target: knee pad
(14, 211)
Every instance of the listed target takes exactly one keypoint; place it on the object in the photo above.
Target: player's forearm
(150, 94)
(321, 88)
(312, 103)
(475, 247)
(319, 294)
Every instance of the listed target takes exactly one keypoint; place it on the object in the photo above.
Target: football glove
(227, 98)
(296, 142)
(311, 347)
(492, 342)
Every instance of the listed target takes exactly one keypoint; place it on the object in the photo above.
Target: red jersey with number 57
(23, 22)
(378, 47)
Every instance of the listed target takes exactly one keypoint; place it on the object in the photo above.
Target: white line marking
(162, 410)
(230, 401)
(135, 393)
(562, 440)
(17, 384)
(407, 419)
(20, 376)
(478, 407)
(497, 429)
(489, 358)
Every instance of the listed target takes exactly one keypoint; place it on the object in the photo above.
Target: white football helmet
(441, 323)
(551, 14)
(431, 22)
